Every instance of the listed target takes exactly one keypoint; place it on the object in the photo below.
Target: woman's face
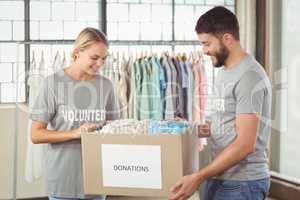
(92, 58)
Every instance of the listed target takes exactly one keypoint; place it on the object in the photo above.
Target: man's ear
(227, 39)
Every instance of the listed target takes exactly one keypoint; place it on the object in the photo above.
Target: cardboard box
(139, 165)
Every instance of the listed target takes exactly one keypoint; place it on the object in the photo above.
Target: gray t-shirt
(64, 104)
(244, 88)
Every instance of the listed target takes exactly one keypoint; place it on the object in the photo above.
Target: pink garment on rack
(196, 93)
(202, 92)
(203, 98)
(199, 99)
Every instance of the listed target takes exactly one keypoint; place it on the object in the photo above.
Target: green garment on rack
(145, 104)
(156, 105)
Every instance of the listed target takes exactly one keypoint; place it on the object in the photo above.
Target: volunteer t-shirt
(244, 88)
(64, 104)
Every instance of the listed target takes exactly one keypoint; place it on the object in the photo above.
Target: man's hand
(204, 130)
(185, 187)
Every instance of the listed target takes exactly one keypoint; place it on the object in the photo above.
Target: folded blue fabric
(167, 127)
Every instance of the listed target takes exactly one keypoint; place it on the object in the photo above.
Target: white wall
(290, 137)
(7, 136)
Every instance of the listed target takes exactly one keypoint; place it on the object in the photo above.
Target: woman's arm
(40, 134)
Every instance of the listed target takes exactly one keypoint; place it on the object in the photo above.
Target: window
(12, 66)
(58, 20)
(187, 13)
(132, 26)
(139, 20)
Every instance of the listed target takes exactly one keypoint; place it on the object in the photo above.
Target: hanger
(184, 56)
(64, 60)
(172, 54)
(33, 56)
(167, 53)
(33, 65)
(123, 55)
(141, 54)
(178, 57)
(118, 56)
(191, 57)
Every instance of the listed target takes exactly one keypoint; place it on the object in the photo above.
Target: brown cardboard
(177, 159)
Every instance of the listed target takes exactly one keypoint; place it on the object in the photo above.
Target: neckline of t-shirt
(238, 65)
(63, 73)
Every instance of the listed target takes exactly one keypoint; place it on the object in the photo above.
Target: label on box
(131, 166)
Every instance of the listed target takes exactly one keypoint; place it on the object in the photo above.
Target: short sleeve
(43, 108)
(250, 93)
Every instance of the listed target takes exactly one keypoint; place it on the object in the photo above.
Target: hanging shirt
(173, 85)
(132, 95)
(179, 98)
(196, 93)
(185, 85)
(190, 90)
(184, 74)
(138, 88)
(156, 90)
(122, 89)
(35, 153)
(163, 86)
(57, 63)
(169, 110)
(202, 92)
(145, 101)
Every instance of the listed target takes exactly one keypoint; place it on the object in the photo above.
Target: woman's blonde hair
(87, 37)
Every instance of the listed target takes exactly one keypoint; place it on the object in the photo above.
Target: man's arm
(243, 145)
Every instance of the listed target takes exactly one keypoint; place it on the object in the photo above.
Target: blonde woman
(72, 102)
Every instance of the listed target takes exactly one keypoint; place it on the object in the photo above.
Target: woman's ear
(76, 53)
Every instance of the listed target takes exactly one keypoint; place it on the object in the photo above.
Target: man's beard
(221, 56)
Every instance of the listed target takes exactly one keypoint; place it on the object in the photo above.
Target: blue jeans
(236, 190)
(58, 198)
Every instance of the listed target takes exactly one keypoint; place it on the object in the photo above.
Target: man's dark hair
(217, 21)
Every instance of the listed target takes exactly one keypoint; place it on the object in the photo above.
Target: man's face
(214, 47)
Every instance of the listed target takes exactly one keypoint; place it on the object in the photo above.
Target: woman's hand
(85, 128)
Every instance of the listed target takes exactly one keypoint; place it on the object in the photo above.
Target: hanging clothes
(174, 94)
(122, 85)
(196, 92)
(156, 105)
(64, 60)
(35, 153)
(159, 88)
(169, 103)
(190, 90)
(132, 93)
(145, 97)
(57, 63)
(199, 95)
(179, 98)
(162, 87)
(184, 87)
(203, 97)
(138, 88)
(202, 92)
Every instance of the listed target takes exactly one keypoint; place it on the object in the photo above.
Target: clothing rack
(111, 42)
